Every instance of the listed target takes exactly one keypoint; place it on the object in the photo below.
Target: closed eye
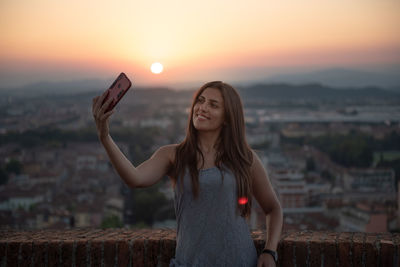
(201, 99)
(212, 103)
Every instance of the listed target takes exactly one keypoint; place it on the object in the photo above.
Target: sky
(47, 40)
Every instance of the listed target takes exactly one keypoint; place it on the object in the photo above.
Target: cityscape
(332, 156)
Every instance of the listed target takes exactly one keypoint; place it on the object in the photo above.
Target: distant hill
(55, 88)
(81, 87)
(343, 78)
(316, 92)
(262, 91)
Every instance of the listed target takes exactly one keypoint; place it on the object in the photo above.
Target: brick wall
(151, 247)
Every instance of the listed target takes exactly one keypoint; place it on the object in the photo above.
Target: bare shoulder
(168, 151)
(256, 158)
(169, 148)
(257, 164)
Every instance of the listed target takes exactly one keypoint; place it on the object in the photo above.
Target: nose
(203, 106)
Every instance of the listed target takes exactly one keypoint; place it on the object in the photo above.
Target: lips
(202, 117)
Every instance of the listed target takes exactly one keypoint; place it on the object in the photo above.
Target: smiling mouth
(202, 117)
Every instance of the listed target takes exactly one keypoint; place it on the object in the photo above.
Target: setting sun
(266, 40)
(156, 68)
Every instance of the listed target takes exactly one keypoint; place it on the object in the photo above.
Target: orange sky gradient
(45, 40)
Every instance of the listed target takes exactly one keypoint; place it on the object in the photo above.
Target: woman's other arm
(266, 197)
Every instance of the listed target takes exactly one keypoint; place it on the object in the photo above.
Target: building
(370, 180)
(291, 188)
(363, 218)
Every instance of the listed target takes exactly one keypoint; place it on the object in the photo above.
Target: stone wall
(155, 247)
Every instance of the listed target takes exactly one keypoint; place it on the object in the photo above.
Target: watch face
(275, 256)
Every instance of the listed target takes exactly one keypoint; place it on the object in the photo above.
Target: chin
(205, 128)
(200, 128)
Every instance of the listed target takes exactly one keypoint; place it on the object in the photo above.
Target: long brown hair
(232, 148)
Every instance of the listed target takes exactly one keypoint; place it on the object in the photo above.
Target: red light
(242, 200)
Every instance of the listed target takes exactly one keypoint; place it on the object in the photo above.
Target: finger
(100, 100)
(107, 115)
(97, 103)
(95, 116)
(106, 105)
(96, 106)
(94, 100)
(104, 109)
(94, 103)
(104, 95)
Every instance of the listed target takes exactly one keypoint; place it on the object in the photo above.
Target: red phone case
(117, 90)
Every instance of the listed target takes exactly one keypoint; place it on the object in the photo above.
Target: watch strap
(274, 254)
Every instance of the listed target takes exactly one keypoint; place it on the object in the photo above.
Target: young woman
(215, 174)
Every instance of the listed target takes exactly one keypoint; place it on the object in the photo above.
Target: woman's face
(209, 111)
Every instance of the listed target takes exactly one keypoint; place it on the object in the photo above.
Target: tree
(395, 165)
(310, 164)
(148, 203)
(353, 150)
(14, 166)
(111, 221)
(3, 176)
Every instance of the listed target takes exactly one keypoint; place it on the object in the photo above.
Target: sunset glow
(45, 40)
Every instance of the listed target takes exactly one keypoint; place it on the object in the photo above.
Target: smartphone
(117, 90)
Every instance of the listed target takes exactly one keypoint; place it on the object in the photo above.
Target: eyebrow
(211, 100)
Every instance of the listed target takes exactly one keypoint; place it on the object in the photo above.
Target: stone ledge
(155, 247)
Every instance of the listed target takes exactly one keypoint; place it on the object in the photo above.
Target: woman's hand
(266, 260)
(100, 117)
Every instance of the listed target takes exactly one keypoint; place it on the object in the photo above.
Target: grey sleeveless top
(210, 232)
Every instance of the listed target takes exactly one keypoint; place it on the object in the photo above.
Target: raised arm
(147, 173)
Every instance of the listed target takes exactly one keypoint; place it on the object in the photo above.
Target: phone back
(118, 89)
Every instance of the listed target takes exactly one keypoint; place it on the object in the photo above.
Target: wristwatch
(274, 254)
